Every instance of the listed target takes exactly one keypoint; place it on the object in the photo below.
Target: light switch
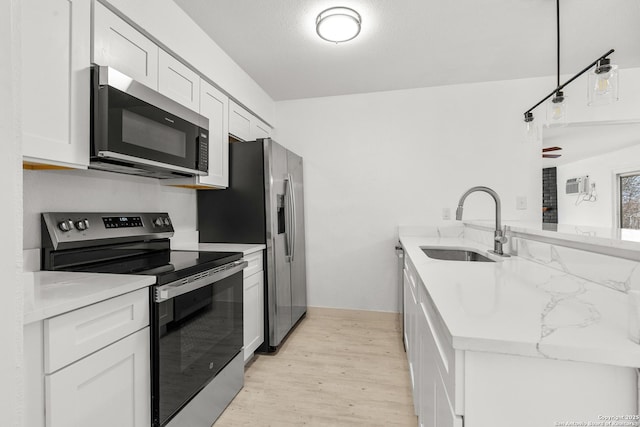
(521, 203)
(446, 213)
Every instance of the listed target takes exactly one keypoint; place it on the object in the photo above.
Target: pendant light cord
(558, 39)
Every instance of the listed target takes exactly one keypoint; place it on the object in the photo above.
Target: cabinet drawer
(449, 361)
(255, 264)
(73, 335)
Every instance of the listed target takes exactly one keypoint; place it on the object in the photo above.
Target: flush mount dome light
(338, 24)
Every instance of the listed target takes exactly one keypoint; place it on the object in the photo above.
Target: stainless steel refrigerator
(264, 204)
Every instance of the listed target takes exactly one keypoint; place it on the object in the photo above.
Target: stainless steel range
(196, 305)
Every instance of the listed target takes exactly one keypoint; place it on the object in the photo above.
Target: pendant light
(557, 110)
(603, 86)
(532, 133)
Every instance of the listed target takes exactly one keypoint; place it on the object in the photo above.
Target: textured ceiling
(415, 43)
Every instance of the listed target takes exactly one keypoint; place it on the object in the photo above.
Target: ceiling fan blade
(547, 149)
(551, 156)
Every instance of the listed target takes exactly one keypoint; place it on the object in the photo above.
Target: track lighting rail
(560, 87)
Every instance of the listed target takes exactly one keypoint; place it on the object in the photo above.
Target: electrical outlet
(446, 213)
(521, 203)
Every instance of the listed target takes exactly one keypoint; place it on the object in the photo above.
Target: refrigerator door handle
(289, 214)
(294, 228)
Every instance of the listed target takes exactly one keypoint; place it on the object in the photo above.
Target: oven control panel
(71, 228)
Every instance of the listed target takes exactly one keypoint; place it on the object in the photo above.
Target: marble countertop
(584, 234)
(246, 249)
(516, 306)
(50, 293)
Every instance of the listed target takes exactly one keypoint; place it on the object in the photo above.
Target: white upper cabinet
(214, 106)
(178, 82)
(239, 122)
(245, 126)
(117, 44)
(55, 81)
(259, 130)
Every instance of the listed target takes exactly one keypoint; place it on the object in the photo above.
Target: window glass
(630, 201)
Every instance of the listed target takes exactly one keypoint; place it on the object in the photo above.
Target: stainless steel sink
(449, 254)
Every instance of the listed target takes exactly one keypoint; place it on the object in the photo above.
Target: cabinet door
(119, 45)
(239, 122)
(214, 106)
(445, 417)
(178, 82)
(55, 81)
(259, 129)
(427, 373)
(108, 388)
(253, 313)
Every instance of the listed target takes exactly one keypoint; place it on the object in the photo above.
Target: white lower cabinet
(253, 304)
(456, 388)
(111, 387)
(90, 366)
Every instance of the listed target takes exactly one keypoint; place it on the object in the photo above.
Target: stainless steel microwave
(137, 130)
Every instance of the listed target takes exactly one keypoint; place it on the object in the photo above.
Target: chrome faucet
(498, 236)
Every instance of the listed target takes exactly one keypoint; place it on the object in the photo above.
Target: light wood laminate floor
(338, 368)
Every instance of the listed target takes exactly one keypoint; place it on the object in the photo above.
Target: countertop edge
(245, 248)
(47, 312)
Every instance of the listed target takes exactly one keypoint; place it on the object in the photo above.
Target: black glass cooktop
(167, 265)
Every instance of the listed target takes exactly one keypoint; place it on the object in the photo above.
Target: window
(630, 201)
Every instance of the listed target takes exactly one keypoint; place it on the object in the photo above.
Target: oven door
(194, 335)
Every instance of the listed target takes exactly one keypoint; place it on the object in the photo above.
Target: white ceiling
(415, 43)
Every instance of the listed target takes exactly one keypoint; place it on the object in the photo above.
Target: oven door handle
(206, 278)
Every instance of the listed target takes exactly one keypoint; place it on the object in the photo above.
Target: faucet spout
(499, 238)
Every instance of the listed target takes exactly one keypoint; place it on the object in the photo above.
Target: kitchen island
(513, 342)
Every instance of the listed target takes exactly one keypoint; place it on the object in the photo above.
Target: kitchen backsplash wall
(50, 191)
(616, 273)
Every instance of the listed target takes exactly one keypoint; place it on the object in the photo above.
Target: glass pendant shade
(557, 110)
(531, 131)
(603, 84)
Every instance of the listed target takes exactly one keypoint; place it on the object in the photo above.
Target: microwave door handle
(293, 219)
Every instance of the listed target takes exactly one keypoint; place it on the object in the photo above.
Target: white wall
(602, 170)
(378, 160)
(98, 191)
(11, 303)
(162, 18)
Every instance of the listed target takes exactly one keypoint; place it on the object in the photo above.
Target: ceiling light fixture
(603, 86)
(338, 24)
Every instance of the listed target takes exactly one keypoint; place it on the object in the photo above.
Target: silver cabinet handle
(206, 278)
